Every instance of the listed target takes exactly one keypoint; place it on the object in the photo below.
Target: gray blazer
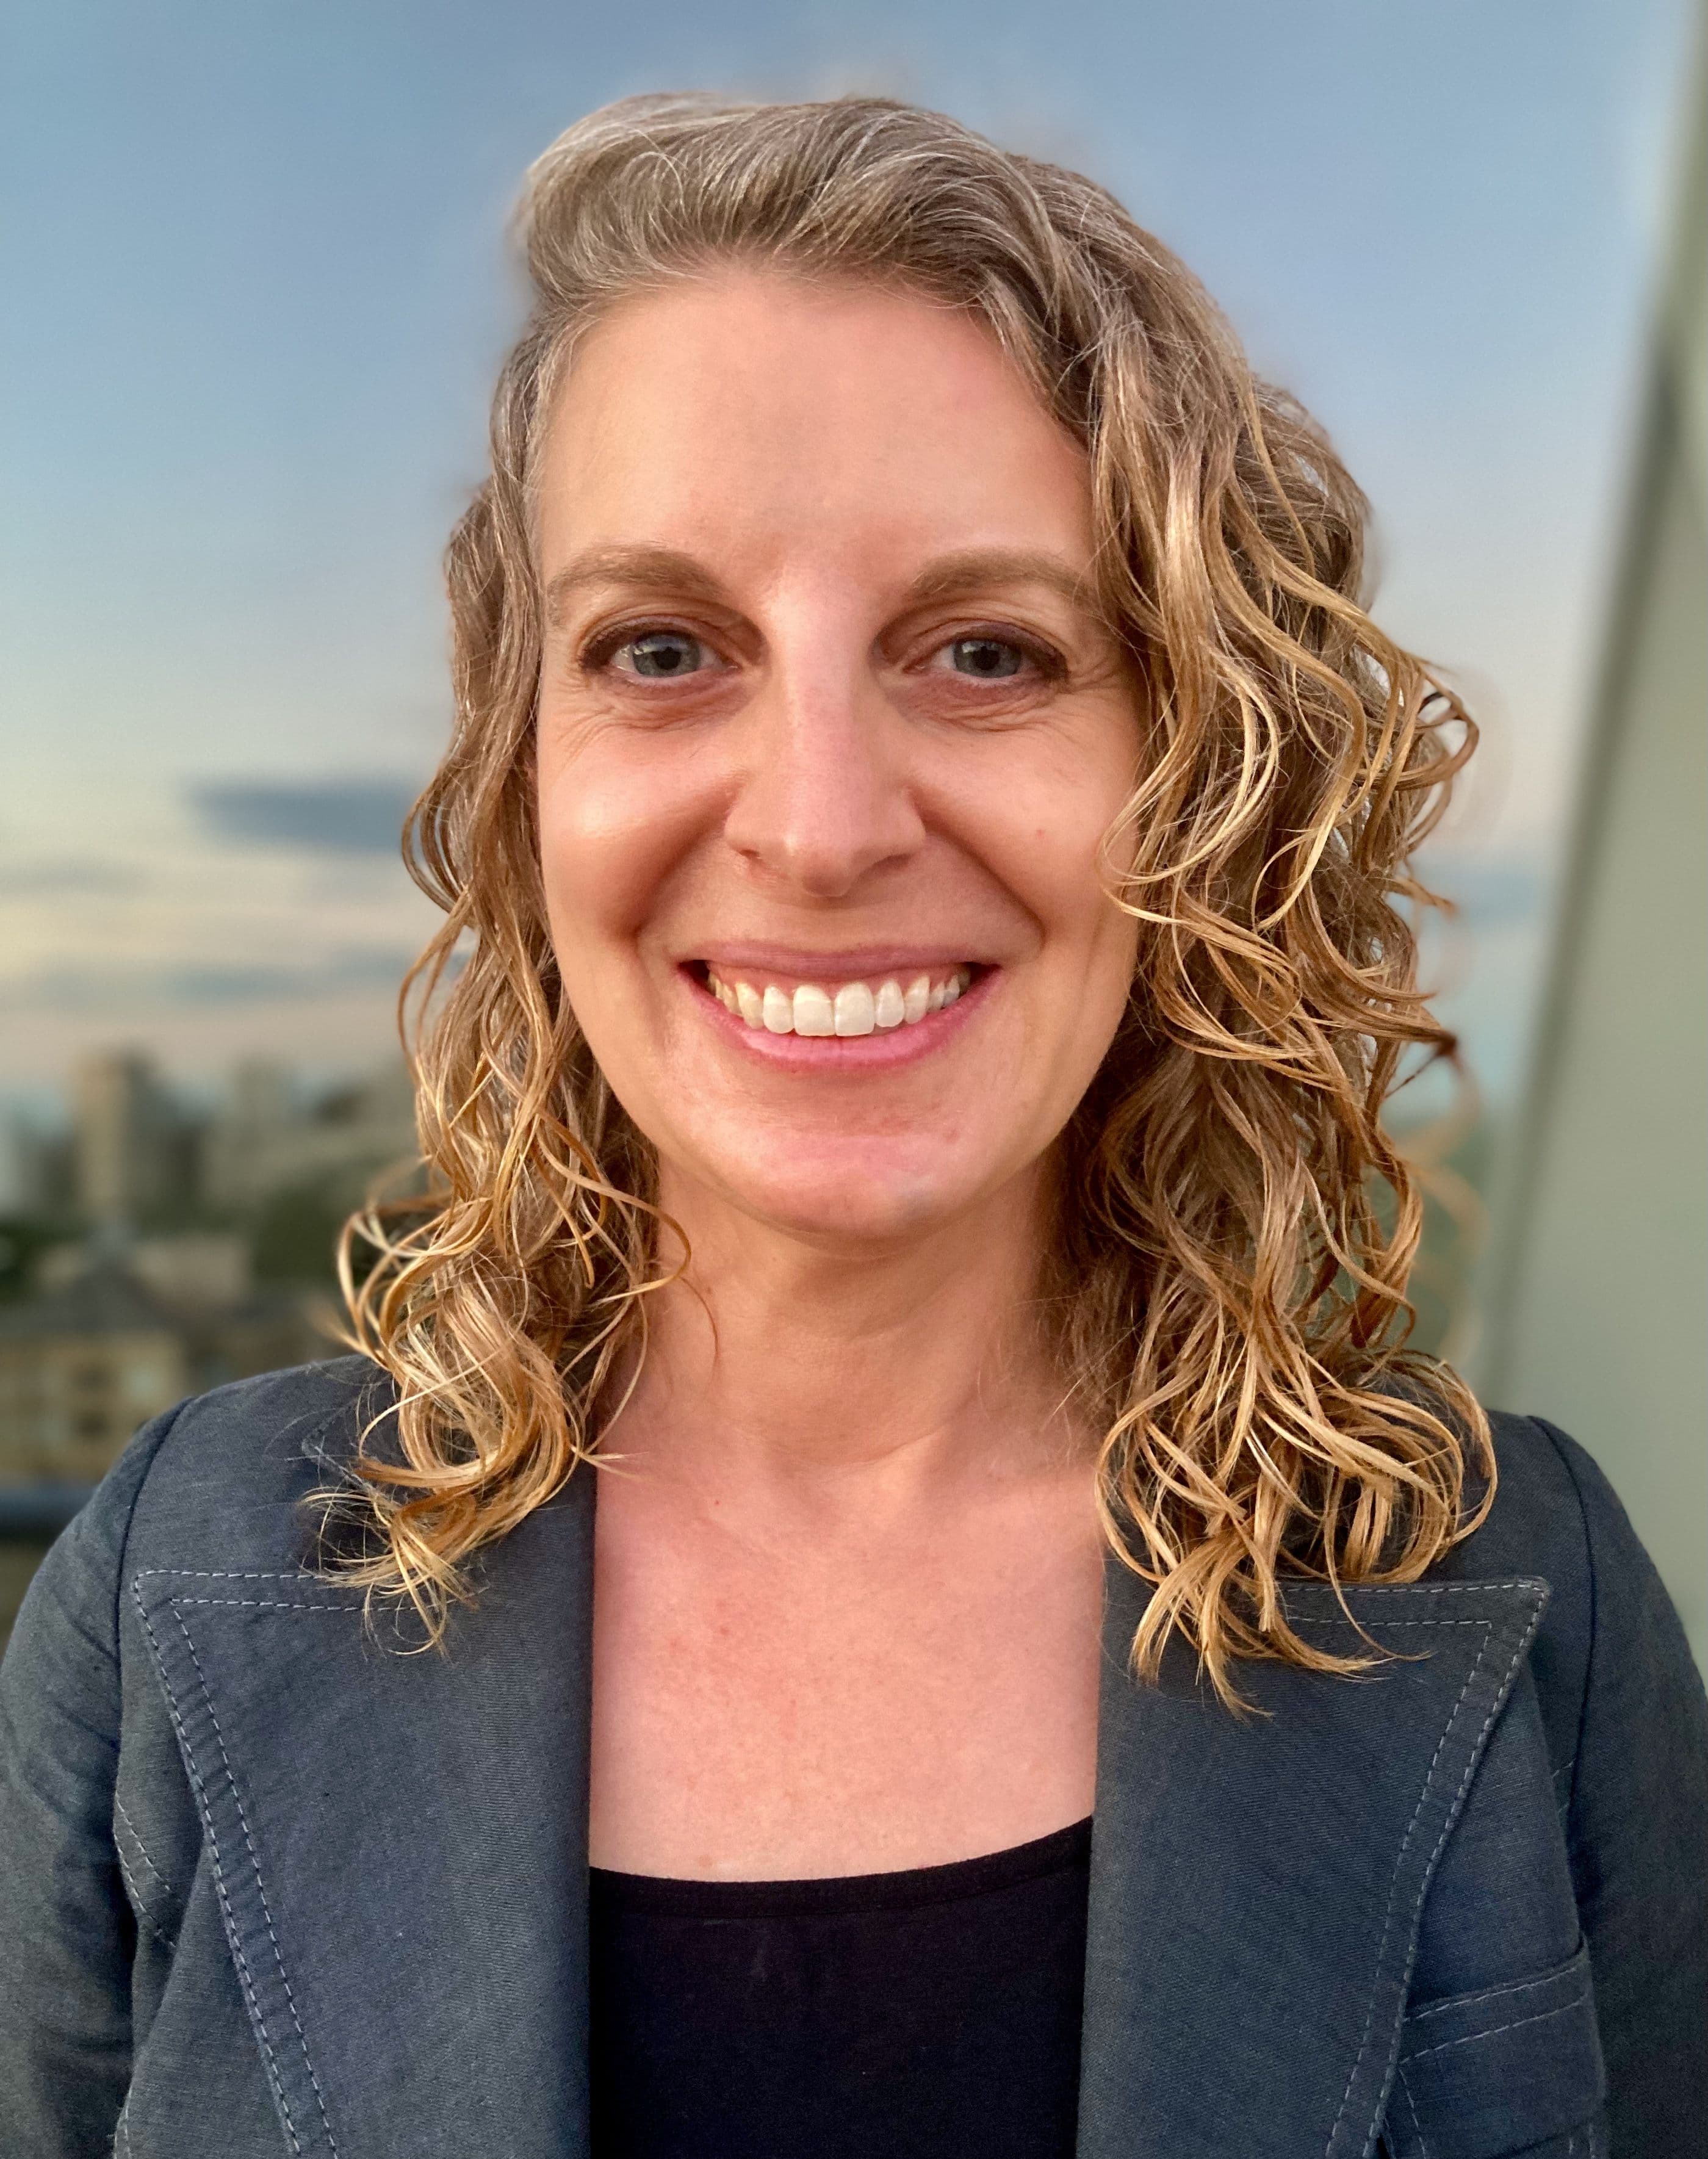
(268, 1888)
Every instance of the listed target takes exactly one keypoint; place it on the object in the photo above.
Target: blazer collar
(400, 1848)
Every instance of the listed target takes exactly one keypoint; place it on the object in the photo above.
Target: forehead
(766, 417)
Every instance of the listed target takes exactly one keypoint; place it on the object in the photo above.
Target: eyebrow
(982, 567)
(653, 569)
(668, 569)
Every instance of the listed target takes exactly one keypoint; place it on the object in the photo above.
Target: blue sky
(256, 289)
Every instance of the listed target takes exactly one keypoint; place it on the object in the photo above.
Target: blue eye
(986, 659)
(663, 654)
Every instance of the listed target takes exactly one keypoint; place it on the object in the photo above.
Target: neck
(785, 1362)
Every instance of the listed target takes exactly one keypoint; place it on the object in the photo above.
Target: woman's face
(828, 733)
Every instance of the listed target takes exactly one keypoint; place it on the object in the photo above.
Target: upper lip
(853, 964)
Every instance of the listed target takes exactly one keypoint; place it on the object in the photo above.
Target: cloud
(202, 984)
(333, 816)
(206, 984)
(66, 877)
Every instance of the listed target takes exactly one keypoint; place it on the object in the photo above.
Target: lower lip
(879, 1051)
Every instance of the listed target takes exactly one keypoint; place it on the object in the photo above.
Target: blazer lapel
(399, 1843)
(1257, 1882)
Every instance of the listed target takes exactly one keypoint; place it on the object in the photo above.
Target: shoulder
(220, 1480)
(1554, 1516)
(1556, 1519)
(1610, 1639)
(214, 1485)
(1537, 1525)
(260, 1427)
(1627, 1722)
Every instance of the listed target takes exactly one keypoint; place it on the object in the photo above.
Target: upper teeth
(856, 1008)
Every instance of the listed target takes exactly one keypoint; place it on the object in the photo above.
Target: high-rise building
(267, 1137)
(128, 1143)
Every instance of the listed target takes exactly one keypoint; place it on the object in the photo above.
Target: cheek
(1041, 830)
(615, 822)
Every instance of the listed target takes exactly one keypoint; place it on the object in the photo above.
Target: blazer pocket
(1508, 2069)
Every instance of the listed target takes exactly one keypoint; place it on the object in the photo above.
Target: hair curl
(1228, 1281)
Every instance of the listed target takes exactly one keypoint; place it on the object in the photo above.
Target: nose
(824, 799)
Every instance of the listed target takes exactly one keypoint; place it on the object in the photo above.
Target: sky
(258, 286)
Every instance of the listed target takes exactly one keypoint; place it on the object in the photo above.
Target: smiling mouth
(848, 1008)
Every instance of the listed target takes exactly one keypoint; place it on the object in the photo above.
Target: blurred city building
(1599, 1283)
(266, 1139)
(116, 1334)
(157, 1248)
(81, 1367)
(134, 1149)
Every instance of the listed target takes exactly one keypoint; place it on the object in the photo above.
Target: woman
(1046, 1672)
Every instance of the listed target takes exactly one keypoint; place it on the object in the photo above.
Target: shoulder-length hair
(1227, 1284)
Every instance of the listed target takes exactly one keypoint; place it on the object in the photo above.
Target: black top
(921, 2015)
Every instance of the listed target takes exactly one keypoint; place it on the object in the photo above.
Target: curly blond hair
(1236, 1229)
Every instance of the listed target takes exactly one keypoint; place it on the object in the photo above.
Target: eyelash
(602, 650)
(1048, 662)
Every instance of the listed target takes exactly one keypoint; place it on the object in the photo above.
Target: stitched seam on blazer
(1517, 2024)
(168, 1426)
(1553, 1434)
(266, 1604)
(142, 1849)
(260, 1888)
(1417, 2126)
(1394, 1884)
(1434, 1589)
(1451, 1815)
(1489, 1994)
(1500, 1693)
(140, 1901)
(123, 2130)
(206, 1810)
(1340, 1619)
(123, 1553)
(231, 1574)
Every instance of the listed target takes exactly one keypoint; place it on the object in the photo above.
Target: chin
(877, 1196)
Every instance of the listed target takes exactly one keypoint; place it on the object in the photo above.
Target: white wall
(1599, 1315)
